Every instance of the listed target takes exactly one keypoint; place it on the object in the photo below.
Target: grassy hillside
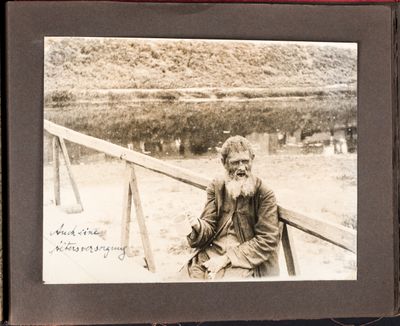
(95, 63)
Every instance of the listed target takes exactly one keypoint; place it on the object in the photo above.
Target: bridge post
(70, 174)
(127, 207)
(288, 249)
(56, 170)
(132, 193)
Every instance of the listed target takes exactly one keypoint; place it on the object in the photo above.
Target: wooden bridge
(335, 234)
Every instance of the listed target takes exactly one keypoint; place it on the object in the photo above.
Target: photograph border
(327, 263)
(372, 294)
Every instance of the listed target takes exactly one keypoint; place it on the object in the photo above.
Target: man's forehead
(241, 155)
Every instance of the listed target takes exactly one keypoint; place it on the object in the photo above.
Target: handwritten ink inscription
(75, 240)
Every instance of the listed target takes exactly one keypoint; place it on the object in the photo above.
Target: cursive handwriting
(71, 239)
(75, 231)
(67, 246)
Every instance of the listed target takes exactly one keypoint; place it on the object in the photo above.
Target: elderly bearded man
(237, 234)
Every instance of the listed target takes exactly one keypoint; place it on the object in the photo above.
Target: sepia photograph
(199, 160)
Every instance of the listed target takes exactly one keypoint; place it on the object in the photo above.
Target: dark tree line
(204, 125)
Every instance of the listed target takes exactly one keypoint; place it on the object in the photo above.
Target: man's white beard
(245, 186)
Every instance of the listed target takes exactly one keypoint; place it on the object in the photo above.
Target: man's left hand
(215, 264)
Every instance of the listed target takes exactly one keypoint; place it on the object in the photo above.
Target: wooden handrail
(128, 155)
(333, 233)
(336, 234)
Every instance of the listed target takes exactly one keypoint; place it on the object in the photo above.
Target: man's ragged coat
(255, 224)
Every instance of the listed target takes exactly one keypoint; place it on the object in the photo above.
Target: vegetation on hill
(98, 63)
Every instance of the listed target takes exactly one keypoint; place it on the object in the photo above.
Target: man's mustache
(239, 174)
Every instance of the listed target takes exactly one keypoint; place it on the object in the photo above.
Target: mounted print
(186, 160)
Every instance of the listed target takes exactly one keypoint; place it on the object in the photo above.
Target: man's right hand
(194, 222)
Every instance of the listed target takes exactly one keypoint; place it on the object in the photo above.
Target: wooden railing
(335, 234)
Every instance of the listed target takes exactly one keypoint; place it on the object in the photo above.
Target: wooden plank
(70, 174)
(288, 249)
(140, 159)
(141, 221)
(56, 171)
(127, 208)
(336, 234)
(281, 225)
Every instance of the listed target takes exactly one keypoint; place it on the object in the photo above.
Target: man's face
(238, 164)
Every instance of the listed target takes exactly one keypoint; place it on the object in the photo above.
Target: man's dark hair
(236, 144)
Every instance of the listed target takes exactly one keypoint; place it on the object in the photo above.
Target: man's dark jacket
(255, 224)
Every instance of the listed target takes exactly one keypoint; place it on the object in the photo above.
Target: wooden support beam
(70, 174)
(56, 170)
(141, 221)
(288, 249)
(127, 208)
